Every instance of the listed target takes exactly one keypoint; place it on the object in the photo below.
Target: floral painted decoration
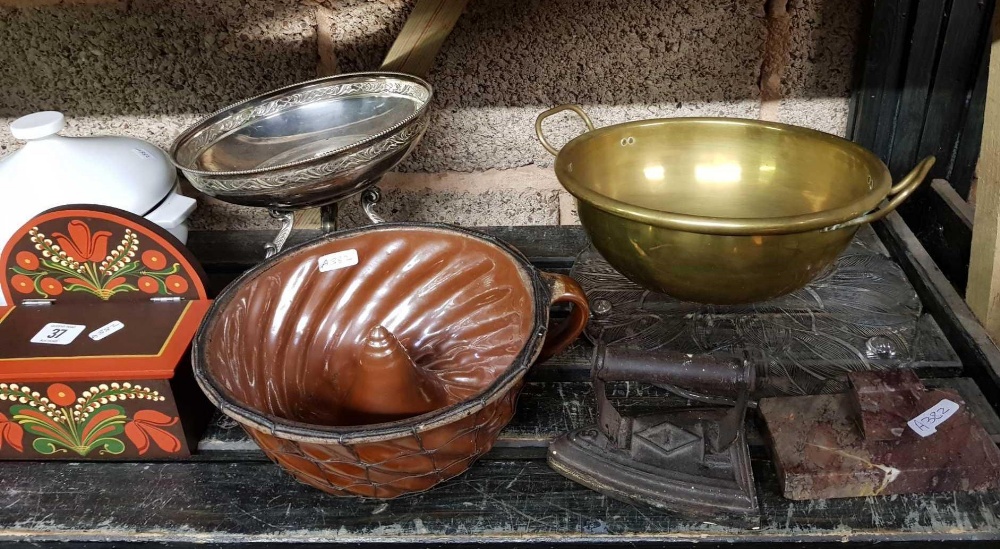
(63, 422)
(11, 433)
(79, 261)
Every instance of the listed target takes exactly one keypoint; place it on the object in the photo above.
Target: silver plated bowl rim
(201, 124)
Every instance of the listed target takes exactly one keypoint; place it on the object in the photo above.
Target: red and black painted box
(94, 365)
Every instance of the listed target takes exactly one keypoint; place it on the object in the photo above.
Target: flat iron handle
(696, 373)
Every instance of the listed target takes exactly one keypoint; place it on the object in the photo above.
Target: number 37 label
(926, 423)
(55, 333)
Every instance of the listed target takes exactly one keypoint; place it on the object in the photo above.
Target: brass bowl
(722, 210)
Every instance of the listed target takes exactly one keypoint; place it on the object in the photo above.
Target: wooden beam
(881, 74)
(963, 211)
(425, 29)
(944, 227)
(777, 46)
(983, 292)
(327, 57)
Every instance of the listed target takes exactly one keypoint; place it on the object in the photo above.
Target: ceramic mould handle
(564, 289)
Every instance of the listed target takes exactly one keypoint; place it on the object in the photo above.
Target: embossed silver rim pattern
(285, 176)
(220, 123)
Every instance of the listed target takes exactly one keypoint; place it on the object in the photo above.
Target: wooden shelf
(229, 494)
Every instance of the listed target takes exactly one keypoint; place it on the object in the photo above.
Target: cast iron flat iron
(692, 460)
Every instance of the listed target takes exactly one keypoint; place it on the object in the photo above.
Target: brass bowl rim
(731, 226)
(206, 122)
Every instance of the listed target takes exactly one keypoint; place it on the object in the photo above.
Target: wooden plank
(857, 103)
(963, 169)
(933, 355)
(892, 77)
(776, 50)
(961, 209)
(967, 336)
(494, 503)
(883, 32)
(242, 499)
(947, 109)
(920, 64)
(983, 293)
(939, 219)
(955, 75)
(425, 30)
(326, 64)
(926, 110)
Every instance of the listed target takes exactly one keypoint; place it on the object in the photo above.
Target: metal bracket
(328, 217)
(287, 221)
(369, 198)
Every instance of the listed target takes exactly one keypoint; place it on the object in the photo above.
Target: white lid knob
(38, 125)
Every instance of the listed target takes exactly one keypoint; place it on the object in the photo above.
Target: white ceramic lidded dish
(53, 170)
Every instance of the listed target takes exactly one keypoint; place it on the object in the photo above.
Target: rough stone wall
(148, 68)
(824, 36)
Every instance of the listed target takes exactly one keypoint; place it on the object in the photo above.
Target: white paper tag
(106, 330)
(55, 333)
(926, 423)
(338, 260)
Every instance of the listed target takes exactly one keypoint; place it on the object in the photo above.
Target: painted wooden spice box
(101, 309)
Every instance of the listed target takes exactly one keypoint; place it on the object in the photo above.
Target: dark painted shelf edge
(979, 354)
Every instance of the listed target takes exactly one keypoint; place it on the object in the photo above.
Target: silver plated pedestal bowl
(306, 145)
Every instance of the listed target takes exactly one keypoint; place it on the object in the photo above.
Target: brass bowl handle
(554, 110)
(565, 289)
(899, 192)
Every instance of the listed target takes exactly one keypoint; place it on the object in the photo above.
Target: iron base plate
(668, 466)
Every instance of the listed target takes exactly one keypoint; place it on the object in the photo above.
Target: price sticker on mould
(338, 260)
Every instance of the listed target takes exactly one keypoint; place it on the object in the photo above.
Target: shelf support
(983, 290)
